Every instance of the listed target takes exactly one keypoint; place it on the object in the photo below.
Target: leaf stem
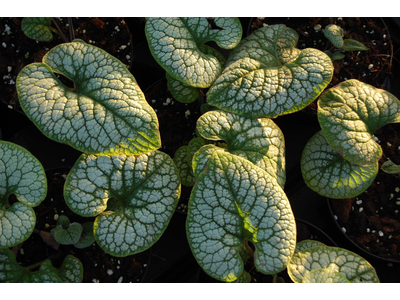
(59, 31)
(249, 249)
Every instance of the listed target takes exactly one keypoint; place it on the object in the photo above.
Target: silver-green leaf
(23, 175)
(235, 202)
(107, 114)
(176, 44)
(352, 266)
(350, 113)
(266, 76)
(326, 172)
(260, 141)
(132, 196)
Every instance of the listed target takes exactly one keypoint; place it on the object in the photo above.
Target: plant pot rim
(362, 250)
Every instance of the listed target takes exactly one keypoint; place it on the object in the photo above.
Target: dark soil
(356, 64)
(374, 223)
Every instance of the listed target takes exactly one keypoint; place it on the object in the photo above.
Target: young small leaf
(326, 172)
(107, 114)
(352, 266)
(266, 76)
(132, 196)
(334, 34)
(23, 175)
(390, 167)
(352, 45)
(87, 236)
(69, 235)
(350, 113)
(37, 28)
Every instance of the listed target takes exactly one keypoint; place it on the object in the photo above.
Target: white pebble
(360, 209)
(370, 66)
(358, 202)
(110, 272)
(380, 233)
(344, 229)
(56, 217)
(119, 280)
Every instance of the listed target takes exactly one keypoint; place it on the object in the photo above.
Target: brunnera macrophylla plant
(341, 161)
(178, 45)
(238, 198)
(314, 262)
(71, 270)
(22, 175)
(121, 177)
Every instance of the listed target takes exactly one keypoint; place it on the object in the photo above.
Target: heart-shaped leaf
(138, 195)
(23, 175)
(234, 202)
(177, 45)
(390, 167)
(11, 272)
(266, 76)
(260, 141)
(350, 113)
(69, 235)
(334, 34)
(352, 266)
(107, 114)
(326, 172)
(37, 28)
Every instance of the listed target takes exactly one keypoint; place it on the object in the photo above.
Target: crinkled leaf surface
(108, 113)
(350, 113)
(138, 195)
(23, 175)
(233, 202)
(266, 76)
(300, 246)
(37, 28)
(351, 265)
(260, 141)
(71, 270)
(334, 34)
(176, 44)
(12, 272)
(324, 275)
(326, 172)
